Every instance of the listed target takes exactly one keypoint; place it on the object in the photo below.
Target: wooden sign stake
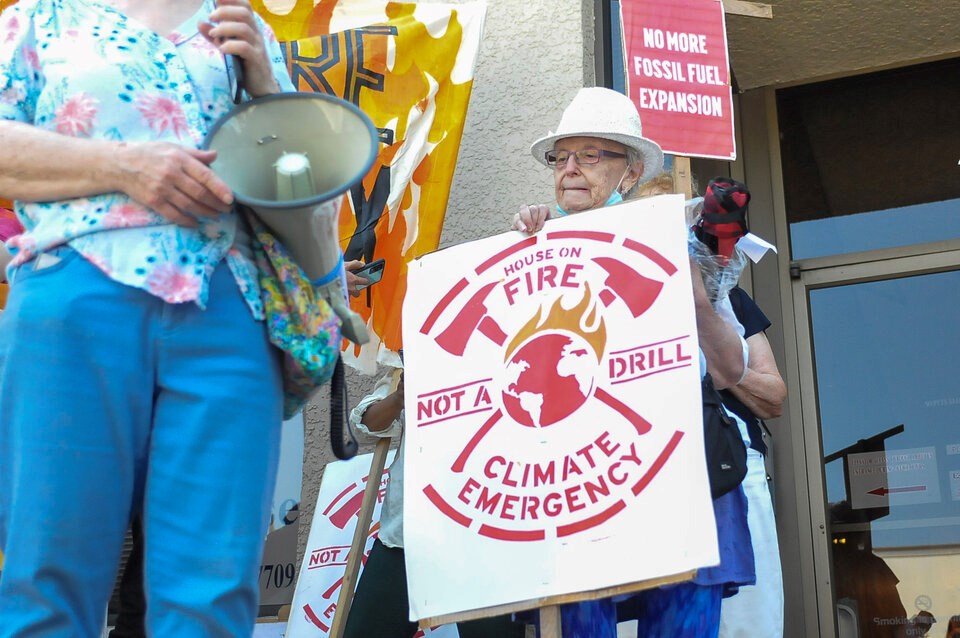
(355, 556)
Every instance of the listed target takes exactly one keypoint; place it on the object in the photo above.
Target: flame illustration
(583, 319)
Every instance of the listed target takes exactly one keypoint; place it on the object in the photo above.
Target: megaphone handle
(343, 450)
(240, 74)
(235, 65)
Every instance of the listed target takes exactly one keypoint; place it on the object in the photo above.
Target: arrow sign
(883, 491)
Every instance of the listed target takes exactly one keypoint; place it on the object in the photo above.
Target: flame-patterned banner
(409, 67)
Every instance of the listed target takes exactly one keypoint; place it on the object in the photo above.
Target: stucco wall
(533, 58)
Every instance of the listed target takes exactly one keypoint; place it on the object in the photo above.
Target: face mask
(615, 198)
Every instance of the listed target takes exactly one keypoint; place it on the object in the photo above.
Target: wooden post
(749, 9)
(550, 626)
(355, 556)
(682, 178)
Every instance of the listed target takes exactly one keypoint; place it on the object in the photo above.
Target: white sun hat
(607, 114)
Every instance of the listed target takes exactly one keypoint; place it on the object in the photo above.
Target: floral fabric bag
(299, 321)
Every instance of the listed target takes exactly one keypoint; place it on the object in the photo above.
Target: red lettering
(603, 442)
(488, 469)
(506, 477)
(547, 275)
(594, 489)
(468, 487)
(585, 452)
(570, 273)
(530, 510)
(486, 502)
(616, 479)
(661, 360)
(543, 475)
(510, 288)
(509, 502)
(552, 504)
(572, 495)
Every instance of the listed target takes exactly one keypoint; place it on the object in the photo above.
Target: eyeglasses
(558, 159)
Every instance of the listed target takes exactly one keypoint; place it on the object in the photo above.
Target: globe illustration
(549, 378)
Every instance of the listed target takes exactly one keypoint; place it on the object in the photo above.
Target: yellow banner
(409, 67)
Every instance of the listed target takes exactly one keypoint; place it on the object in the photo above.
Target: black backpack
(726, 453)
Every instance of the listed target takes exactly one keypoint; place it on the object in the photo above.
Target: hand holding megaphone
(233, 29)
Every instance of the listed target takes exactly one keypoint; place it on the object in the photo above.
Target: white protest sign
(331, 534)
(554, 421)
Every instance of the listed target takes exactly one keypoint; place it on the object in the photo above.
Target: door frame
(825, 273)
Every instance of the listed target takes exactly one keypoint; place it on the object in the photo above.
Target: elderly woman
(598, 154)
(610, 156)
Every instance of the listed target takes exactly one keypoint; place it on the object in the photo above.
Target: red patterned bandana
(723, 220)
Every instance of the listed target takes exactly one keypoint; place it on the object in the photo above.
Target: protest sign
(554, 423)
(678, 75)
(325, 559)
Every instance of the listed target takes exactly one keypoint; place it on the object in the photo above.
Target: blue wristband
(330, 276)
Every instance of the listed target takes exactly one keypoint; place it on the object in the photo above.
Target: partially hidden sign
(678, 75)
(331, 534)
(553, 414)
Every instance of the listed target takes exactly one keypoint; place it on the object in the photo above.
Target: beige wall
(528, 69)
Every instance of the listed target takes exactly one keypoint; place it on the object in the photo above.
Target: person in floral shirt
(135, 370)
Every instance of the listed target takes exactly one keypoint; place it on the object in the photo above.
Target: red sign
(678, 75)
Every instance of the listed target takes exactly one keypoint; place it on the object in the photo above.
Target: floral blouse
(82, 68)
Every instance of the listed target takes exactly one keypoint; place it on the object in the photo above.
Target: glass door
(879, 345)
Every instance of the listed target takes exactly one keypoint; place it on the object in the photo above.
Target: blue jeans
(112, 400)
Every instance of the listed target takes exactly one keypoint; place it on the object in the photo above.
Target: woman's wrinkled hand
(530, 218)
(174, 181)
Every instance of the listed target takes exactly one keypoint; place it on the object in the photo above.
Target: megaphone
(289, 156)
